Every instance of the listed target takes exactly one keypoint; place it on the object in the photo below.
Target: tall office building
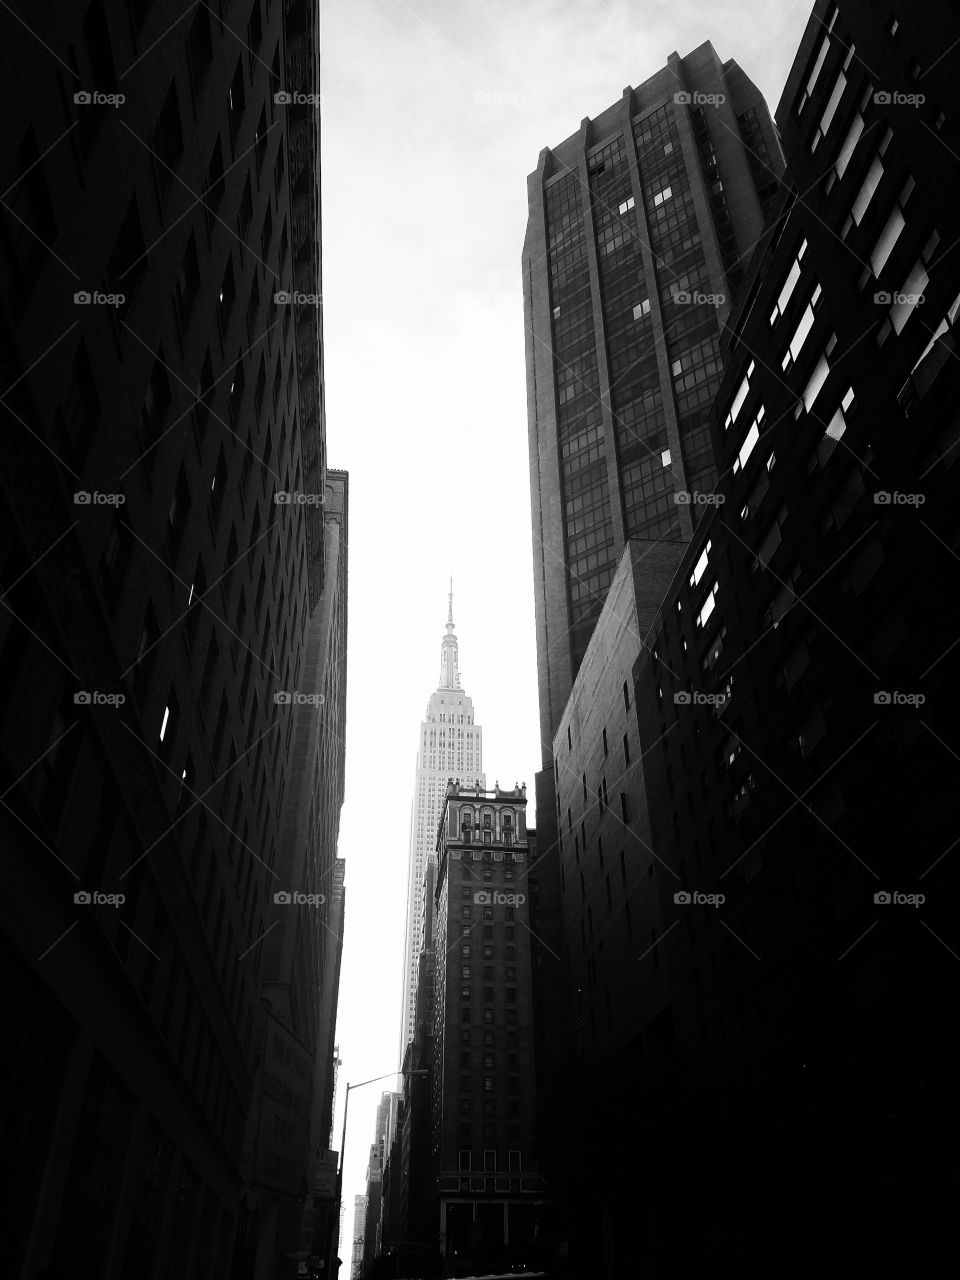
(172, 636)
(756, 776)
(639, 226)
(492, 1205)
(451, 746)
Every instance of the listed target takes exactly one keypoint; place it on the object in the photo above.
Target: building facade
(639, 227)
(359, 1220)
(492, 1202)
(174, 612)
(451, 745)
(794, 715)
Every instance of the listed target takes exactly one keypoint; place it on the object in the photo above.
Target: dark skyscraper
(756, 775)
(639, 228)
(173, 631)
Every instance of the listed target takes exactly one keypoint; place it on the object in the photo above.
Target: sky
(433, 112)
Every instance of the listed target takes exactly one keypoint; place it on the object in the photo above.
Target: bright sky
(433, 114)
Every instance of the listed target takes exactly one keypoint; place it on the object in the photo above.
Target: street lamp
(420, 1071)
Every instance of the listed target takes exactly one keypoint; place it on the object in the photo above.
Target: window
(814, 72)
(788, 286)
(626, 205)
(641, 309)
(663, 195)
(802, 331)
(168, 720)
(742, 392)
(829, 111)
(749, 442)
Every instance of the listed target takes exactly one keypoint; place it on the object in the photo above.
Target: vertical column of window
(580, 436)
(716, 198)
(758, 158)
(690, 308)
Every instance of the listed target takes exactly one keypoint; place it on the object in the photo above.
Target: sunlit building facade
(451, 745)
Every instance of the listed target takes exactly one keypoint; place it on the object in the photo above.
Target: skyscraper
(639, 226)
(173, 637)
(492, 1203)
(450, 746)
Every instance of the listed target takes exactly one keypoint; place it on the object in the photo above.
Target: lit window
(802, 331)
(708, 605)
(663, 195)
(701, 566)
(641, 309)
(829, 111)
(626, 205)
(739, 398)
(815, 385)
(788, 286)
(849, 145)
(815, 72)
(887, 238)
(866, 193)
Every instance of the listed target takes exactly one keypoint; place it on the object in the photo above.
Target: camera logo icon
(882, 699)
(482, 898)
(282, 498)
(282, 898)
(282, 698)
(683, 98)
(882, 98)
(82, 698)
(882, 298)
(82, 298)
(682, 698)
(681, 297)
(82, 898)
(82, 98)
(283, 297)
(881, 898)
(282, 98)
(682, 898)
(82, 498)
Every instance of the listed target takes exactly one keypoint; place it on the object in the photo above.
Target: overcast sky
(433, 114)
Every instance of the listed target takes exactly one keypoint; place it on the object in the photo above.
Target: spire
(449, 651)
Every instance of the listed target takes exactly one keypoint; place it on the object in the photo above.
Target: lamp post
(420, 1071)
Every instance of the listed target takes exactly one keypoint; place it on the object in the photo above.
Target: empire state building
(450, 746)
